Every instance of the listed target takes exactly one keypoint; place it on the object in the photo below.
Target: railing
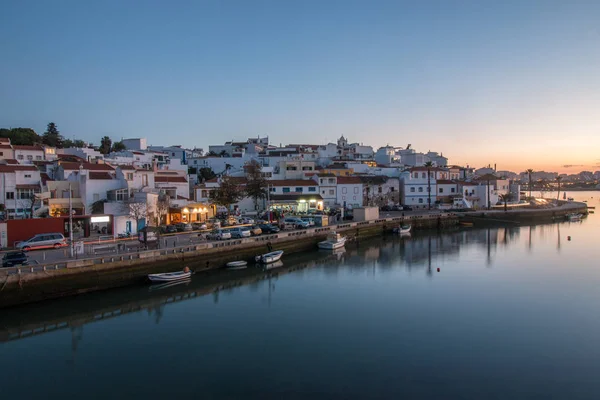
(122, 254)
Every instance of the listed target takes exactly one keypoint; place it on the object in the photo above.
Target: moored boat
(276, 264)
(171, 276)
(237, 264)
(402, 229)
(166, 285)
(269, 258)
(334, 241)
(574, 217)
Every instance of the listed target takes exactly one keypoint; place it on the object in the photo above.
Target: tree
(137, 211)
(212, 154)
(27, 203)
(67, 143)
(52, 136)
(97, 207)
(162, 208)
(118, 146)
(429, 165)
(529, 172)
(506, 198)
(20, 136)
(224, 153)
(80, 144)
(105, 145)
(226, 194)
(256, 188)
(207, 173)
(558, 179)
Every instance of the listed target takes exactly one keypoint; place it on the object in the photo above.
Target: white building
(28, 154)
(327, 188)
(19, 184)
(135, 144)
(173, 183)
(349, 191)
(89, 155)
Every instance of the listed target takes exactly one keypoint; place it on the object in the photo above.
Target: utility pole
(71, 219)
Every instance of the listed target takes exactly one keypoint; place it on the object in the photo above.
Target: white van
(43, 241)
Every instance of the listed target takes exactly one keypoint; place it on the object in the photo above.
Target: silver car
(43, 241)
(239, 233)
(218, 234)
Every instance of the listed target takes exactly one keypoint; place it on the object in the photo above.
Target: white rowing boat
(404, 229)
(170, 276)
(269, 258)
(236, 264)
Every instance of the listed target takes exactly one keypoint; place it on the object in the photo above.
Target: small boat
(334, 241)
(403, 229)
(269, 258)
(466, 224)
(237, 264)
(170, 276)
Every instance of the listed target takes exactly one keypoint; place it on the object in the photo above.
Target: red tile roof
(169, 179)
(24, 147)
(5, 146)
(292, 182)
(4, 140)
(86, 165)
(100, 175)
(425, 169)
(127, 167)
(13, 168)
(445, 182)
(348, 180)
(45, 178)
(11, 161)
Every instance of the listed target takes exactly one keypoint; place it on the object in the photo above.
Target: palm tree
(558, 179)
(429, 165)
(530, 171)
(505, 198)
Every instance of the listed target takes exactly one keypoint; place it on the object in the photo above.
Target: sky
(511, 83)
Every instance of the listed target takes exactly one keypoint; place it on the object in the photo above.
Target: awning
(295, 197)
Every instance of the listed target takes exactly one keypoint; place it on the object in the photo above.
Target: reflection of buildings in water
(76, 337)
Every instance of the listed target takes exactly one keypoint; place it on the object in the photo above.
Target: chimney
(494, 167)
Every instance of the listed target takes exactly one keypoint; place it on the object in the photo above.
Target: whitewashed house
(349, 191)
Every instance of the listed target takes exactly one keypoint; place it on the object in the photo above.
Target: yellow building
(337, 170)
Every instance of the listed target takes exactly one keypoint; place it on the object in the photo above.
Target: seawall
(19, 285)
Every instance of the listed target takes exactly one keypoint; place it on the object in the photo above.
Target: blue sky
(515, 83)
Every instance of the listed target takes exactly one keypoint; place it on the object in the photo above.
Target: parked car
(182, 227)
(14, 258)
(406, 208)
(255, 230)
(295, 222)
(246, 220)
(239, 233)
(218, 234)
(198, 226)
(385, 208)
(311, 222)
(268, 228)
(213, 223)
(396, 208)
(188, 227)
(43, 241)
(170, 229)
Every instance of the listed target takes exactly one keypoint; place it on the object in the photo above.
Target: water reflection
(418, 253)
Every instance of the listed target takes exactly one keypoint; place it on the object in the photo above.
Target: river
(502, 313)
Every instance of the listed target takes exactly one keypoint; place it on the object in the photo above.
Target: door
(128, 227)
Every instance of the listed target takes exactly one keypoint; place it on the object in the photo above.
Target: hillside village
(144, 185)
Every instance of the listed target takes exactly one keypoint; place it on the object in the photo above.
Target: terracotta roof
(11, 161)
(336, 166)
(348, 180)
(86, 165)
(330, 175)
(24, 147)
(13, 168)
(70, 157)
(292, 182)
(487, 177)
(100, 175)
(5, 146)
(179, 197)
(4, 140)
(45, 178)
(168, 179)
(127, 167)
(294, 197)
(445, 182)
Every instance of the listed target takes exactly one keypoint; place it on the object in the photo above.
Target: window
(145, 179)
(344, 190)
(416, 175)
(299, 189)
(452, 190)
(10, 195)
(27, 175)
(30, 157)
(331, 180)
(321, 180)
(441, 190)
(129, 176)
(307, 168)
(355, 191)
(291, 168)
(173, 154)
(423, 175)
(420, 200)
(121, 195)
(392, 189)
(420, 189)
(20, 157)
(96, 196)
(412, 189)
(1, 153)
(312, 189)
(380, 189)
(331, 192)
(204, 194)
(272, 189)
(428, 189)
(286, 190)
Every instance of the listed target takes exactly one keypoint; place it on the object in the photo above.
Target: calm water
(511, 314)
